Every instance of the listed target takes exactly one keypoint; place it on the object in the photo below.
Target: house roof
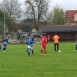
(59, 29)
(69, 17)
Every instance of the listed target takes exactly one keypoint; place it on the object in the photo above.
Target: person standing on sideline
(18, 36)
(48, 38)
(43, 45)
(56, 42)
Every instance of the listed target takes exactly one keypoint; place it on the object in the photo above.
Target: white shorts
(29, 46)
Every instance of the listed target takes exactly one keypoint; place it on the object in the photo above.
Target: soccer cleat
(26, 50)
(75, 50)
(44, 54)
(59, 51)
(4, 51)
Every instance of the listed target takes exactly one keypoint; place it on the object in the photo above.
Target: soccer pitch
(16, 63)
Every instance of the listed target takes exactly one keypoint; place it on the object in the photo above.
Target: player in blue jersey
(5, 44)
(30, 42)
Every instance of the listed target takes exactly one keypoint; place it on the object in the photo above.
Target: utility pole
(4, 25)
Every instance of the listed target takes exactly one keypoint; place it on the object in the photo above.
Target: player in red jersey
(43, 45)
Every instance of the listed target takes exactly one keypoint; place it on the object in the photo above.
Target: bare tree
(37, 10)
(12, 7)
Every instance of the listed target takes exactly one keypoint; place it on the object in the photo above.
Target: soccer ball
(59, 51)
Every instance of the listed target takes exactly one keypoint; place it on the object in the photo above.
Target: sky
(65, 4)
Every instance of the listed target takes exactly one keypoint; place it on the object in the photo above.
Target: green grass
(16, 63)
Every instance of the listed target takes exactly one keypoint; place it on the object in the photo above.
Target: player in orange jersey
(56, 42)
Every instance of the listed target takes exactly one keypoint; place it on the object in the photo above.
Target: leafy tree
(36, 10)
(26, 28)
(56, 16)
(9, 22)
(28, 21)
(1, 21)
(1, 27)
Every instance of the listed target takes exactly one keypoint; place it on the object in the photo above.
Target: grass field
(16, 63)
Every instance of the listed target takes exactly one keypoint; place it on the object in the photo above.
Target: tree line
(36, 11)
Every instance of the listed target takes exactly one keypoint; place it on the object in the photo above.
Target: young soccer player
(29, 44)
(5, 44)
(32, 42)
(43, 45)
(56, 42)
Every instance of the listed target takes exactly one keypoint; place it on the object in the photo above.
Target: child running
(29, 43)
(5, 44)
(43, 45)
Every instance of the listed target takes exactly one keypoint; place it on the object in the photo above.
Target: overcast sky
(65, 4)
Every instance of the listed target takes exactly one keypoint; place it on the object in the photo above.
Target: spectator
(48, 38)
(18, 36)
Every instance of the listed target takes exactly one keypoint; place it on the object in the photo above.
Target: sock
(32, 52)
(41, 51)
(4, 49)
(28, 52)
(44, 51)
